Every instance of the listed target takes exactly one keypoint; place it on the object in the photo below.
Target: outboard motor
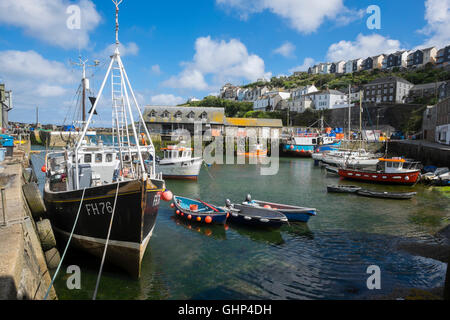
(228, 203)
(248, 198)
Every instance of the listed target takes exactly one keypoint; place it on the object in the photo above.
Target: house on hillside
(328, 99)
(443, 57)
(337, 67)
(421, 57)
(387, 90)
(6, 104)
(398, 59)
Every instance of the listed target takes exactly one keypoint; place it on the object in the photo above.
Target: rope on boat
(67, 246)
(106, 244)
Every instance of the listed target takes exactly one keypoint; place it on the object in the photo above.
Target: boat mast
(360, 118)
(84, 84)
(120, 86)
(349, 113)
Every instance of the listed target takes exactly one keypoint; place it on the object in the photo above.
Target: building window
(153, 114)
(191, 115)
(88, 158)
(165, 114)
(178, 115)
(204, 116)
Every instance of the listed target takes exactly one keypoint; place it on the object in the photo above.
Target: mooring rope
(106, 244)
(67, 246)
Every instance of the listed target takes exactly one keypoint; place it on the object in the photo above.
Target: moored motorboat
(255, 216)
(343, 189)
(386, 195)
(198, 211)
(293, 213)
(179, 164)
(392, 171)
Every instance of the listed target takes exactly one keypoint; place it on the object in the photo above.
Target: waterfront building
(243, 127)
(166, 119)
(443, 122)
(387, 90)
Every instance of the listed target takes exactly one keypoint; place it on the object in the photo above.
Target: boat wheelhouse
(178, 163)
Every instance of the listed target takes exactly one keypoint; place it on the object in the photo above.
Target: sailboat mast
(349, 114)
(83, 99)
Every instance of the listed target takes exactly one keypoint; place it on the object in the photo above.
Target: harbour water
(325, 259)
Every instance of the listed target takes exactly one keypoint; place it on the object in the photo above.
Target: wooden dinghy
(386, 195)
(198, 211)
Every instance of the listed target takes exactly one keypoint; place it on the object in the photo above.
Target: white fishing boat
(178, 163)
(359, 158)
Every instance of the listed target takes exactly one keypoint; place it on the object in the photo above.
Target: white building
(328, 99)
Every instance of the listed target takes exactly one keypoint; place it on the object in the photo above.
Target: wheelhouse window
(109, 157)
(98, 158)
(87, 158)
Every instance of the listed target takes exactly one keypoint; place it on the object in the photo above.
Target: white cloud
(304, 16)
(222, 60)
(37, 81)
(362, 47)
(156, 69)
(286, 50)
(437, 15)
(167, 100)
(308, 62)
(46, 20)
(130, 49)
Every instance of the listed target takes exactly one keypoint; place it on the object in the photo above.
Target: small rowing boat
(293, 213)
(343, 189)
(255, 216)
(386, 195)
(198, 211)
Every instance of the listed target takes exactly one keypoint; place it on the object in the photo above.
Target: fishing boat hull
(387, 195)
(303, 151)
(203, 214)
(134, 219)
(183, 170)
(409, 178)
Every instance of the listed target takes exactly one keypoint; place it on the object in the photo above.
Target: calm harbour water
(325, 259)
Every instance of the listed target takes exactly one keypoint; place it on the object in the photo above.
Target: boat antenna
(117, 3)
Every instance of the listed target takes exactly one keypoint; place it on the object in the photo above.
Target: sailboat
(358, 158)
(101, 196)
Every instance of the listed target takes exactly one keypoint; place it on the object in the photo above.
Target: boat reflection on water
(214, 231)
(264, 235)
(298, 230)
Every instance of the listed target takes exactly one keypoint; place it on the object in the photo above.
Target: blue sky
(174, 50)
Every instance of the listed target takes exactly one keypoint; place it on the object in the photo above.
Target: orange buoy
(44, 169)
(182, 214)
(199, 219)
(178, 212)
(167, 195)
(267, 206)
(189, 217)
(208, 219)
(172, 205)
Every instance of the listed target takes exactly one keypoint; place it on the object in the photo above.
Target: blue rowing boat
(198, 211)
(293, 213)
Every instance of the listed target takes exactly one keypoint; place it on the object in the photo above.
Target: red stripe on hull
(181, 177)
(391, 178)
